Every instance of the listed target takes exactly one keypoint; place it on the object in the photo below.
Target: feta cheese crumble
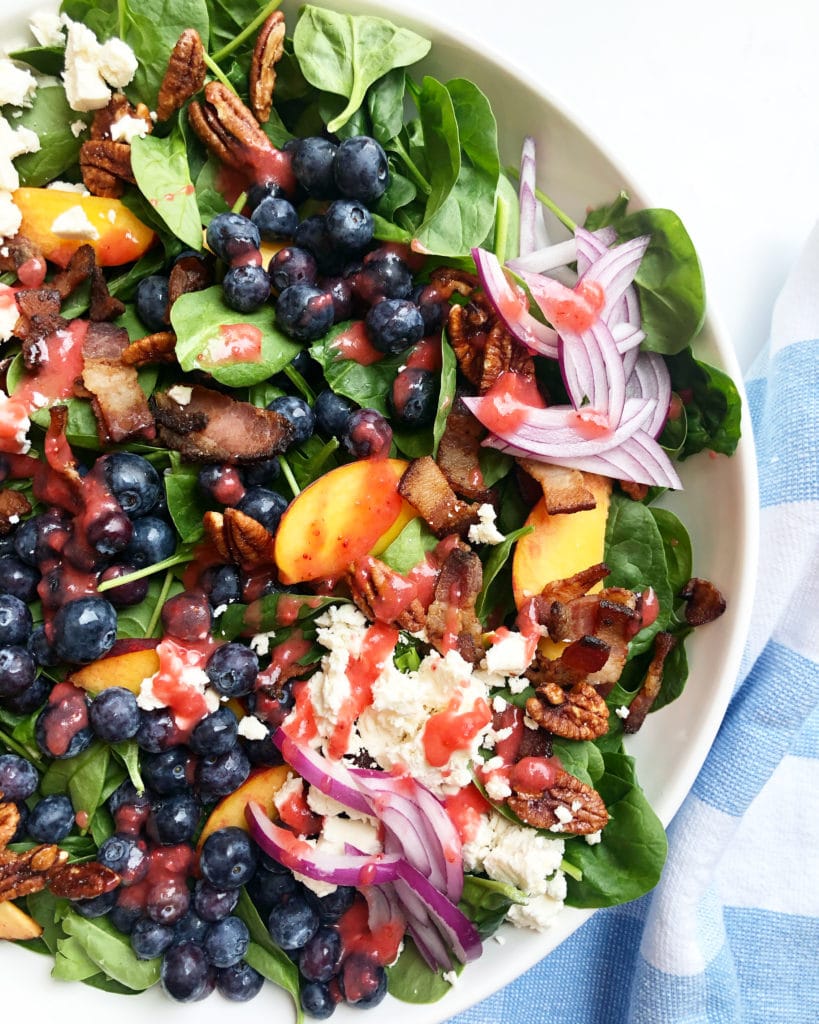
(17, 85)
(14, 142)
(180, 394)
(252, 728)
(128, 128)
(92, 68)
(47, 28)
(69, 186)
(485, 531)
(74, 224)
(622, 711)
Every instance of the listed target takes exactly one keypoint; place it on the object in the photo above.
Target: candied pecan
(664, 644)
(451, 619)
(153, 348)
(564, 490)
(82, 881)
(704, 602)
(383, 595)
(637, 492)
(503, 354)
(185, 74)
(9, 823)
(188, 274)
(266, 54)
(13, 505)
(580, 714)
(458, 454)
(425, 487)
(27, 872)
(449, 280)
(583, 810)
(228, 129)
(118, 108)
(250, 544)
(106, 166)
(214, 524)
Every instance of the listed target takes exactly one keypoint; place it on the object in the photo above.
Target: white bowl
(718, 505)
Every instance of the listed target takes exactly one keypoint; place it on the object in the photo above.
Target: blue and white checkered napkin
(731, 934)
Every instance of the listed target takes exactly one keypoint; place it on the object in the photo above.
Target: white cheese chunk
(126, 129)
(9, 312)
(17, 85)
(47, 28)
(10, 215)
(252, 728)
(74, 224)
(91, 68)
(117, 63)
(69, 186)
(14, 142)
(510, 655)
(485, 531)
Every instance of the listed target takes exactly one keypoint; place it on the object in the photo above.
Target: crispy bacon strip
(425, 487)
(704, 602)
(564, 490)
(78, 269)
(212, 427)
(118, 401)
(188, 274)
(664, 644)
(451, 619)
(13, 505)
(458, 454)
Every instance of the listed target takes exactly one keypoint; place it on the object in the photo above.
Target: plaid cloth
(731, 934)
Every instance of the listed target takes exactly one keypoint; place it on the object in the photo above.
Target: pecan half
(503, 354)
(119, 107)
(239, 538)
(82, 881)
(568, 806)
(153, 348)
(106, 166)
(27, 872)
(383, 595)
(580, 714)
(228, 129)
(704, 602)
(185, 74)
(266, 55)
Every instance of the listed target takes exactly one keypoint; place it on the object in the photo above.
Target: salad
(332, 576)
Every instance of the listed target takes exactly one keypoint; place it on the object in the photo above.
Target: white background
(712, 106)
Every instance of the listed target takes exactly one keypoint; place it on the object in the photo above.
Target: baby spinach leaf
(677, 546)
(99, 15)
(400, 193)
(368, 386)
(83, 778)
(42, 906)
(265, 956)
(272, 612)
(124, 286)
(486, 902)
(410, 980)
(410, 546)
(110, 951)
(51, 118)
(49, 60)
(579, 758)
(442, 145)
(185, 502)
(199, 319)
(133, 622)
(635, 553)
(127, 752)
(385, 103)
(71, 962)
(228, 18)
(413, 443)
(151, 28)
(446, 396)
(160, 166)
(496, 560)
(344, 54)
(711, 402)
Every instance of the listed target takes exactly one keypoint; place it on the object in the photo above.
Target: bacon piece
(564, 490)
(425, 487)
(451, 619)
(704, 602)
(212, 427)
(118, 401)
(575, 586)
(77, 271)
(13, 505)
(664, 644)
(103, 305)
(458, 454)
(188, 274)
(580, 658)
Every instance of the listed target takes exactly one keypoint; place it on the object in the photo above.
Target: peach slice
(16, 925)
(120, 236)
(126, 664)
(351, 511)
(261, 786)
(560, 545)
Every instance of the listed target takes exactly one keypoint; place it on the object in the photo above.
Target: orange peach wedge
(60, 222)
(126, 664)
(16, 925)
(352, 511)
(260, 787)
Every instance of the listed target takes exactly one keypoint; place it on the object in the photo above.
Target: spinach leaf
(124, 286)
(312, 459)
(635, 553)
(446, 396)
(51, 118)
(127, 752)
(711, 404)
(268, 959)
(629, 861)
(413, 443)
(160, 166)
(228, 18)
(506, 243)
(49, 60)
(42, 906)
(385, 104)
(486, 902)
(496, 560)
(368, 386)
(185, 502)
(580, 758)
(273, 612)
(677, 546)
(71, 962)
(410, 546)
(133, 622)
(442, 145)
(97, 941)
(84, 778)
(200, 318)
(345, 54)
(151, 28)
(208, 195)
(410, 980)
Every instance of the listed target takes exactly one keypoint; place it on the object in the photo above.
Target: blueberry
(53, 529)
(150, 939)
(109, 532)
(221, 584)
(367, 435)
(153, 540)
(431, 306)
(291, 265)
(304, 312)
(332, 412)
(262, 190)
(173, 819)
(393, 325)
(383, 277)
(185, 975)
(275, 218)
(312, 234)
(18, 578)
(124, 917)
(15, 620)
(40, 649)
(128, 594)
(167, 900)
(299, 414)
(213, 904)
(25, 540)
(334, 904)
(239, 982)
(262, 753)
(85, 629)
(95, 906)
(228, 858)
(17, 671)
(226, 942)
(133, 481)
(317, 1000)
(215, 734)
(51, 819)
(349, 224)
(262, 472)
(232, 236)
(191, 928)
(187, 616)
(151, 301)
(126, 855)
(246, 288)
(216, 776)
(167, 771)
(267, 889)
(157, 730)
(266, 507)
(360, 169)
(220, 482)
(413, 398)
(363, 982)
(126, 795)
(18, 777)
(293, 922)
(340, 290)
(313, 166)
(114, 714)
(232, 669)
(320, 958)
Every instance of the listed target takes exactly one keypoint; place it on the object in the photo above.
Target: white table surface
(711, 106)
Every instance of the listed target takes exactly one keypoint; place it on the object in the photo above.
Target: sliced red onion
(298, 855)
(457, 930)
(651, 380)
(591, 245)
(331, 777)
(533, 233)
(592, 370)
(614, 271)
(511, 306)
(627, 336)
(550, 258)
(639, 459)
